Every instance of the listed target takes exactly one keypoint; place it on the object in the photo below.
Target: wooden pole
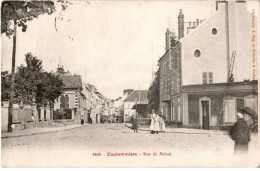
(10, 108)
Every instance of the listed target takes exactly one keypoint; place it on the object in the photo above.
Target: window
(230, 110)
(197, 53)
(207, 77)
(173, 113)
(179, 113)
(214, 31)
(178, 82)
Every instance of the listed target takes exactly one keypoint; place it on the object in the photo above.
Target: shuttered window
(210, 77)
(204, 77)
(207, 77)
(230, 112)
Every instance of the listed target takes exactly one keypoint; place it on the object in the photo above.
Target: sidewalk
(183, 130)
(35, 131)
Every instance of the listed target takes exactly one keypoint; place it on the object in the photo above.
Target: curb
(181, 132)
(44, 132)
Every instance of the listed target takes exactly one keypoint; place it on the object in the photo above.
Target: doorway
(205, 114)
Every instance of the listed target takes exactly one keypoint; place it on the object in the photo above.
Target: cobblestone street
(81, 147)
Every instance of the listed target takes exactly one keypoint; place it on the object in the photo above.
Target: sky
(113, 45)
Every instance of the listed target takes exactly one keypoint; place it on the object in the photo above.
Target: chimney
(198, 23)
(167, 39)
(180, 25)
(60, 70)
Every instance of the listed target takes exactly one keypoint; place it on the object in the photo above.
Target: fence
(27, 116)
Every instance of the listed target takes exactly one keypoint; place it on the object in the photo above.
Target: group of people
(240, 132)
(157, 123)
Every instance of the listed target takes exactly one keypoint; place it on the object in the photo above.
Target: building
(95, 102)
(119, 109)
(207, 75)
(72, 101)
(133, 98)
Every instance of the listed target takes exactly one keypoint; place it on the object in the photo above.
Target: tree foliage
(22, 11)
(154, 93)
(5, 85)
(31, 81)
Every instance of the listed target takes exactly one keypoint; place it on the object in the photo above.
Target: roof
(135, 94)
(72, 81)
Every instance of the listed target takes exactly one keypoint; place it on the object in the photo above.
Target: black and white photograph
(129, 84)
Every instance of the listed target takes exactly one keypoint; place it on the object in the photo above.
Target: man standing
(135, 123)
(240, 133)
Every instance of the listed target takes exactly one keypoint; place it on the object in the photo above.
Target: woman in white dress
(162, 124)
(155, 126)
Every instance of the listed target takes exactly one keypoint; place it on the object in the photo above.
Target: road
(97, 146)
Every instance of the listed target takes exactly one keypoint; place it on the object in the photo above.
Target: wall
(216, 102)
(128, 111)
(214, 47)
(244, 42)
(26, 117)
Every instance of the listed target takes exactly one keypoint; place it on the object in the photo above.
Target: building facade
(133, 98)
(215, 76)
(73, 101)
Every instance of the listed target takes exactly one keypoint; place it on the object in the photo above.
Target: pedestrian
(153, 115)
(240, 133)
(161, 124)
(155, 126)
(82, 120)
(135, 123)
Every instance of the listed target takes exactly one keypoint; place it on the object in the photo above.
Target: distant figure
(155, 125)
(161, 124)
(240, 133)
(82, 120)
(135, 123)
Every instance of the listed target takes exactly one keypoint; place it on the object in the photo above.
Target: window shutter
(210, 77)
(66, 102)
(204, 77)
(62, 101)
(230, 110)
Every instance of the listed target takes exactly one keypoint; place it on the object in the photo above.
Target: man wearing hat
(240, 133)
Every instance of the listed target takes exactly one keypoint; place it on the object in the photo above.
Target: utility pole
(135, 107)
(10, 108)
(152, 62)
(139, 93)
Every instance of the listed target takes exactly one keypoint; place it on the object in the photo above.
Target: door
(205, 114)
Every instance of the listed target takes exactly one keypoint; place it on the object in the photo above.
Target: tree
(154, 93)
(19, 12)
(32, 82)
(5, 85)
(27, 79)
